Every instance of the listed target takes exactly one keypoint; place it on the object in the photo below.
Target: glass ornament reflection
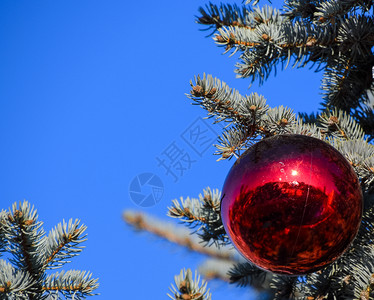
(291, 204)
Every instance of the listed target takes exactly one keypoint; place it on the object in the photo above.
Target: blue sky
(91, 93)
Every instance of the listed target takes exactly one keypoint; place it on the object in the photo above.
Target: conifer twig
(32, 253)
(187, 287)
(203, 213)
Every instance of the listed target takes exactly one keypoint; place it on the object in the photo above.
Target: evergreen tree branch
(345, 83)
(279, 120)
(71, 284)
(142, 222)
(253, 120)
(299, 127)
(32, 253)
(275, 41)
(337, 38)
(360, 154)
(263, 35)
(224, 103)
(245, 273)
(233, 141)
(365, 117)
(3, 224)
(330, 11)
(215, 16)
(366, 120)
(366, 170)
(216, 269)
(27, 236)
(310, 118)
(62, 243)
(187, 287)
(341, 125)
(214, 274)
(359, 260)
(270, 45)
(252, 2)
(285, 287)
(204, 213)
(299, 9)
(250, 116)
(15, 284)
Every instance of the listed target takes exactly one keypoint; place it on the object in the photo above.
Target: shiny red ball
(291, 204)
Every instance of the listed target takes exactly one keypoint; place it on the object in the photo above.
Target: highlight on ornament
(291, 204)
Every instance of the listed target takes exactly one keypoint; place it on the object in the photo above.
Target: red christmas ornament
(291, 204)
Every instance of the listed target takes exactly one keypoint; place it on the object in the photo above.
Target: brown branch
(70, 288)
(65, 288)
(16, 219)
(231, 41)
(139, 221)
(50, 258)
(67, 238)
(213, 274)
